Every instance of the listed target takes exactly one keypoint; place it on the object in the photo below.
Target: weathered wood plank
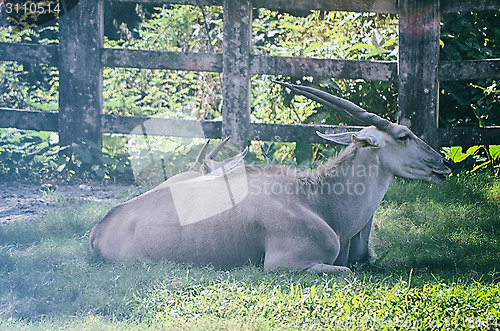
(80, 73)
(294, 132)
(288, 66)
(29, 53)
(376, 6)
(176, 2)
(467, 137)
(212, 129)
(161, 126)
(28, 120)
(468, 70)
(418, 62)
(301, 66)
(128, 58)
(259, 64)
(237, 36)
(48, 121)
(453, 6)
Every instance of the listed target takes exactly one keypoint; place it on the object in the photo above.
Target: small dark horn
(343, 106)
(216, 150)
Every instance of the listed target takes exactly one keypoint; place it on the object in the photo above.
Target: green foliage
(24, 85)
(26, 155)
(197, 95)
(175, 94)
(88, 161)
(325, 34)
(36, 155)
(475, 158)
(470, 36)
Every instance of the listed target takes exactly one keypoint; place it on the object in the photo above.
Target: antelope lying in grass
(270, 214)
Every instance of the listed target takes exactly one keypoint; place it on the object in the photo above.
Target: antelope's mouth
(439, 176)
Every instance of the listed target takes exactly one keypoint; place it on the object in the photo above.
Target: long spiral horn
(340, 105)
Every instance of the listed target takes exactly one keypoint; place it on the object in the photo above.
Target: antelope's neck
(347, 193)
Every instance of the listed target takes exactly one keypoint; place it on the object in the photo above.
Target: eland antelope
(272, 215)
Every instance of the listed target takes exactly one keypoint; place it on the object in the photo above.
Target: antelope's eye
(404, 138)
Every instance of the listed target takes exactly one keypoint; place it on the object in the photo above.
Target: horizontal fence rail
(376, 6)
(259, 64)
(29, 53)
(29, 120)
(300, 66)
(82, 99)
(190, 61)
(468, 70)
(117, 124)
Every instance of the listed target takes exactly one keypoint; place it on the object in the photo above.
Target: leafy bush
(470, 36)
(36, 155)
(26, 155)
(146, 160)
(474, 158)
(177, 94)
(31, 86)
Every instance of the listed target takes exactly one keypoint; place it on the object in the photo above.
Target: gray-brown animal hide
(269, 214)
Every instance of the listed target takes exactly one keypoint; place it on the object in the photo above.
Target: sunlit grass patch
(310, 302)
(452, 227)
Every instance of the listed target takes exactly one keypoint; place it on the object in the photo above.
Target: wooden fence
(418, 72)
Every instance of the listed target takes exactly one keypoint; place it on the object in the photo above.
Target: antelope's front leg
(360, 250)
(343, 257)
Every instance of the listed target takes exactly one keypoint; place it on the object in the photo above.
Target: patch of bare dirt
(25, 200)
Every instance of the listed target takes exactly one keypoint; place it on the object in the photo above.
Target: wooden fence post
(80, 73)
(236, 70)
(418, 86)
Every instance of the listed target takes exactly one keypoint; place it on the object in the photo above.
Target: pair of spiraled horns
(209, 159)
(340, 105)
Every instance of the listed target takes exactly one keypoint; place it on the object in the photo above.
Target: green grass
(440, 270)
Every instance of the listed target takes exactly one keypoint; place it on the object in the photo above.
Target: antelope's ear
(339, 138)
(368, 139)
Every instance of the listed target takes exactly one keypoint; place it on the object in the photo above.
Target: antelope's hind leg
(314, 247)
